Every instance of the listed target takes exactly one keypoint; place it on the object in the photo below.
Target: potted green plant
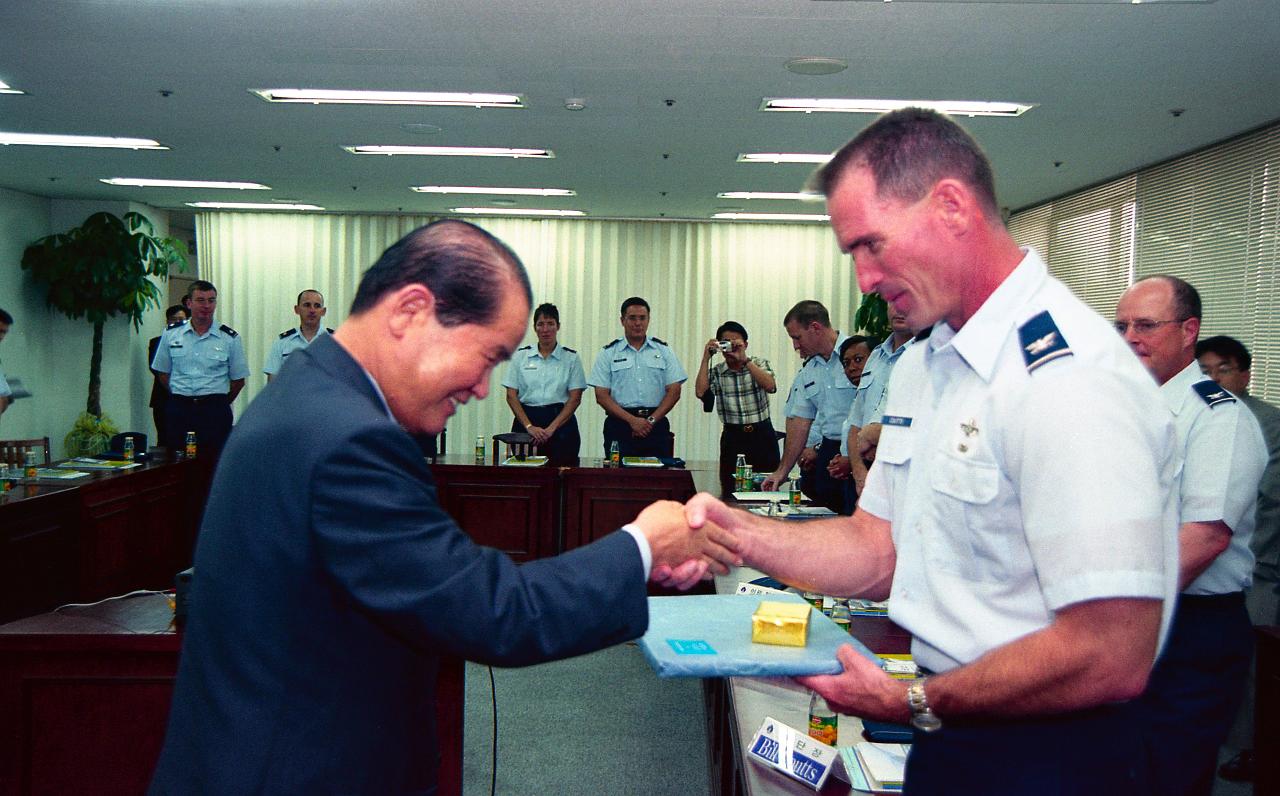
(872, 316)
(99, 270)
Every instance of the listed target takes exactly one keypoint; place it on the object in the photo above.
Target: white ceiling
(1104, 77)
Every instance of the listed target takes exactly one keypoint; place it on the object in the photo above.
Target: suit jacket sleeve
(393, 551)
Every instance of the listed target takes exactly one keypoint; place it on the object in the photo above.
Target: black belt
(1227, 598)
(639, 411)
(217, 397)
(746, 428)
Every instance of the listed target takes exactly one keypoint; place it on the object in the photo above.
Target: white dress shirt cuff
(646, 554)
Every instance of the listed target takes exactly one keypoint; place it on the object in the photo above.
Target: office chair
(13, 452)
(521, 444)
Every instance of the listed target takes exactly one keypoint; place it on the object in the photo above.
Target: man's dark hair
(462, 265)
(174, 310)
(200, 284)
(732, 326)
(908, 151)
(308, 290)
(631, 302)
(1186, 299)
(853, 340)
(546, 310)
(6, 318)
(807, 312)
(1228, 348)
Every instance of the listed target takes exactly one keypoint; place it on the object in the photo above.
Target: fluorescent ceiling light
(493, 191)
(460, 151)
(781, 157)
(337, 97)
(514, 211)
(140, 182)
(252, 206)
(953, 107)
(771, 217)
(94, 141)
(5, 88)
(802, 197)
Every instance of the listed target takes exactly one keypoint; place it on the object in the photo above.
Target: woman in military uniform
(544, 388)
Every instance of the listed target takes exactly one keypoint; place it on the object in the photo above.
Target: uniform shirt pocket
(620, 364)
(973, 533)
(655, 361)
(219, 354)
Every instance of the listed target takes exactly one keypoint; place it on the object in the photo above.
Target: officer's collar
(1177, 390)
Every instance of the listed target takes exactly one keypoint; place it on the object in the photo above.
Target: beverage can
(191, 445)
(128, 448)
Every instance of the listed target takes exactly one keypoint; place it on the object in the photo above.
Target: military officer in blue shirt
(544, 388)
(204, 367)
(1197, 683)
(819, 399)
(309, 309)
(637, 382)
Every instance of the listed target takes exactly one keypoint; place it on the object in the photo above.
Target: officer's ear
(954, 205)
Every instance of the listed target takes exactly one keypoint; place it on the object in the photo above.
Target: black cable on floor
(493, 766)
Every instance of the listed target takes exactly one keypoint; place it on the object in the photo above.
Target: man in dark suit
(328, 580)
(159, 392)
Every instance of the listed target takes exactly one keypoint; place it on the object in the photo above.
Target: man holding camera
(743, 385)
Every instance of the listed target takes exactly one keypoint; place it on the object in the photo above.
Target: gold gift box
(784, 624)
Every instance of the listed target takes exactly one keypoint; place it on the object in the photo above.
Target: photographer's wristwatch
(922, 717)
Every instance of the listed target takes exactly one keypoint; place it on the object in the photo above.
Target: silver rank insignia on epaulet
(1212, 393)
(1041, 341)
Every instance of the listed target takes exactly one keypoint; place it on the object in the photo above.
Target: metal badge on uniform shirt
(531, 364)
(969, 429)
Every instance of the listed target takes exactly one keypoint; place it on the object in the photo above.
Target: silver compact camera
(725, 346)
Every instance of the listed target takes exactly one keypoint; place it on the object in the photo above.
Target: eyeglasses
(1143, 326)
(1225, 369)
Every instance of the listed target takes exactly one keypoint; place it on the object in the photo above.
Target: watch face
(926, 722)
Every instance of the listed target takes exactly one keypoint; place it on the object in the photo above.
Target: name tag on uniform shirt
(896, 420)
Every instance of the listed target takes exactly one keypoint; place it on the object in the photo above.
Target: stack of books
(875, 767)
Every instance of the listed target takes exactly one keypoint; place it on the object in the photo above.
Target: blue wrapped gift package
(710, 636)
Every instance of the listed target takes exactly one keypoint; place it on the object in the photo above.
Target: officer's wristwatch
(651, 419)
(922, 718)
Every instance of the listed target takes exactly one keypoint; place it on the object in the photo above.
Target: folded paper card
(709, 635)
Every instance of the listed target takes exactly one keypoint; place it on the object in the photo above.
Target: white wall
(50, 352)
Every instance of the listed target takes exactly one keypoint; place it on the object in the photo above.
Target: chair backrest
(521, 444)
(13, 452)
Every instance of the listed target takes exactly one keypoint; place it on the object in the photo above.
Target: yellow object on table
(783, 624)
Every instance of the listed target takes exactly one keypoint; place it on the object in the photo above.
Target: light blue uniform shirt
(539, 380)
(1025, 464)
(868, 404)
(286, 344)
(1223, 457)
(822, 393)
(200, 364)
(637, 379)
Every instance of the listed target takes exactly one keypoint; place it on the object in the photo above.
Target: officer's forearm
(570, 406)
(164, 380)
(762, 377)
(797, 435)
(236, 386)
(604, 397)
(669, 400)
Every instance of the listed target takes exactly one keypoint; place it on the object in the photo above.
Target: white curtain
(695, 275)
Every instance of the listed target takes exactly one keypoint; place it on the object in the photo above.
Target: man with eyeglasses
(1226, 361)
(1198, 680)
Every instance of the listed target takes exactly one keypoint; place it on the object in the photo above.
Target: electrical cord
(493, 766)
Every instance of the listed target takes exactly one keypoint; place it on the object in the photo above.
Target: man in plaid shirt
(743, 385)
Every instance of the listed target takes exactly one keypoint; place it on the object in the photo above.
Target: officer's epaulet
(175, 324)
(567, 348)
(612, 342)
(227, 330)
(284, 334)
(1212, 393)
(327, 329)
(1041, 341)
(525, 347)
(656, 340)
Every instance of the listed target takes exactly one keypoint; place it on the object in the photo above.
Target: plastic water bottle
(615, 456)
(479, 450)
(128, 449)
(823, 723)
(191, 445)
(31, 462)
(739, 469)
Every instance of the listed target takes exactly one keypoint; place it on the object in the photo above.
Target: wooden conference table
(85, 691)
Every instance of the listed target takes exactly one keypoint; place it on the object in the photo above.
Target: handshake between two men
(838, 556)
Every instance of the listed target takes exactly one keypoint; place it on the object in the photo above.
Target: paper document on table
(775, 496)
(875, 767)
